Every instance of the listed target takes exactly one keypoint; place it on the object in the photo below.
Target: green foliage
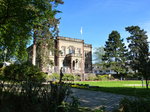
(2, 73)
(86, 109)
(23, 19)
(24, 71)
(137, 105)
(92, 78)
(44, 47)
(56, 76)
(71, 107)
(118, 87)
(133, 76)
(77, 78)
(105, 77)
(138, 54)
(68, 77)
(28, 96)
(53, 77)
(115, 53)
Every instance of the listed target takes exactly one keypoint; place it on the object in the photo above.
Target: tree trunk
(34, 54)
(146, 79)
(34, 50)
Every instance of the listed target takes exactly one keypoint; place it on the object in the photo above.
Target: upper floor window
(63, 50)
(85, 53)
(71, 50)
(79, 51)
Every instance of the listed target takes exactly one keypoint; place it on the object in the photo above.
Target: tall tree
(139, 51)
(15, 25)
(22, 19)
(46, 26)
(115, 53)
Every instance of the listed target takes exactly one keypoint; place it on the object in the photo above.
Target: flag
(81, 31)
(58, 26)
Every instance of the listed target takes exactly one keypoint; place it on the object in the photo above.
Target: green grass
(120, 87)
(130, 84)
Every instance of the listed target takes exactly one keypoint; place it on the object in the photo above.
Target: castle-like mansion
(75, 56)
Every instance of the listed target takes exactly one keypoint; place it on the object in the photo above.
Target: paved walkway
(96, 99)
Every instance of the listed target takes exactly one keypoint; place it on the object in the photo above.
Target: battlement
(69, 39)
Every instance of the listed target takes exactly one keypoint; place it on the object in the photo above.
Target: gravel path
(96, 99)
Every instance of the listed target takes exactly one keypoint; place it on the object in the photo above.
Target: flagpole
(81, 31)
(82, 68)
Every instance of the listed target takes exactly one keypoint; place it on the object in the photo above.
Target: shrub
(105, 77)
(92, 77)
(68, 77)
(136, 105)
(23, 72)
(77, 78)
(31, 96)
(55, 76)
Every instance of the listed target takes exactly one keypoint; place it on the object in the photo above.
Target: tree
(15, 27)
(23, 19)
(98, 54)
(47, 28)
(138, 54)
(115, 53)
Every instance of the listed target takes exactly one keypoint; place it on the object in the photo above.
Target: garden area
(33, 90)
(28, 33)
(130, 88)
(105, 83)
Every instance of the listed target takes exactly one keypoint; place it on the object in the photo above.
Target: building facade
(75, 56)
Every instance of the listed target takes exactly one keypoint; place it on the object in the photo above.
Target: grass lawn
(132, 88)
(131, 84)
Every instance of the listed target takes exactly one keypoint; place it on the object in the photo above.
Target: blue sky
(99, 17)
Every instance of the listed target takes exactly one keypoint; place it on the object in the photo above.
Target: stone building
(75, 56)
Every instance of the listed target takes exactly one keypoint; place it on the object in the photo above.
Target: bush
(23, 72)
(77, 78)
(105, 77)
(136, 105)
(31, 96)
(91, 77)
(55, 76)
(68, 77)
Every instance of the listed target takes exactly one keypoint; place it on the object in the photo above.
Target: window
(79, 51)
(71, 50)
(63, 50)
(85, 53)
